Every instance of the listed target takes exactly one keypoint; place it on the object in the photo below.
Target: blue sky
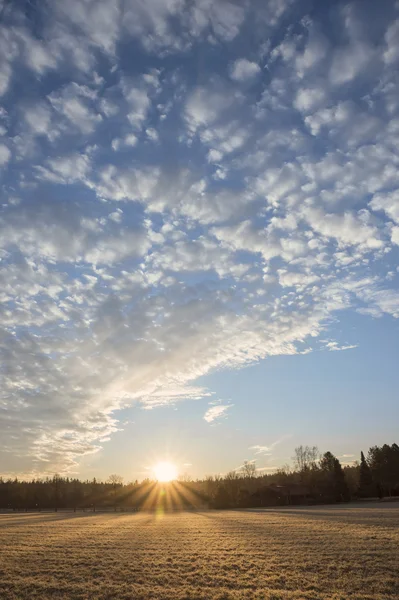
(200, 232)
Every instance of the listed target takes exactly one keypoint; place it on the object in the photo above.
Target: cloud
(204, 106)
(5, 154)
(308, 99)
(216, 412)
(162, 397)
(139, 104)
(5, 76)
(348, 62)
(43, 231)
(267, 450)
(313, 54)
(38, 118)
(37, 56)
(333, 346)
(65, 169)
(347, 228)
(391, 54)
(244, 70)
(387, 202)
(264, 450)
(76, 104)
(99, 21)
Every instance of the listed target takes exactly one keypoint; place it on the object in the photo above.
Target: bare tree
(282, 474)
(305, 458)
(249, 469)
(116, 481)
(232, 482)
(184, 478)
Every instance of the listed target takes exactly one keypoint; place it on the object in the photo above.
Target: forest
(313, 478)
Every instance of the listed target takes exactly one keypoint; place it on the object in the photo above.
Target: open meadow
(313, 553)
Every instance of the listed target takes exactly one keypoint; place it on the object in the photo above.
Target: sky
(199, 233)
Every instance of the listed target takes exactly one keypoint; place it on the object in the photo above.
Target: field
(310, 553)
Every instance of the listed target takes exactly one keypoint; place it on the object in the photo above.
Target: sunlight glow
(165, 471)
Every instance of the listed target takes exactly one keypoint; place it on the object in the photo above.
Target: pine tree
(366, 486)
(222, 497)
(335, 485)
(342, 493)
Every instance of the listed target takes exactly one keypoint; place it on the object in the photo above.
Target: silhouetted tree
(366, 485)
(384, 465)
(305, 458)
(222, 497)
(116, 482)
(56, 484)
(334, 482)
(248, 469)
(341, 489)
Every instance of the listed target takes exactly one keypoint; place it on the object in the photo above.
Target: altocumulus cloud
(163, 216)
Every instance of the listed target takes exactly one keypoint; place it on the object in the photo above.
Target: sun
(165, 471)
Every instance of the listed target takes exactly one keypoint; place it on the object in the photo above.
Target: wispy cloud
(267, 450)
(264, 450)
(216, 412)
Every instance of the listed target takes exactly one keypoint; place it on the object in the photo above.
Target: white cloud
(346, 229)
(295, 279)
(152, 134)
(267, 450)
(387, 202)
(391, 54)
(66, 169)
(5, 155)
(244, 70)
(150, 23)
(263, 450)
(216, 412)
(166, 397)
(75, 103)
(308, 99)
(38, 119)
(37, 56)
(5, 75)
(395, 235)
(139, 104)
(225, 139)
(131, 139)
(116, 216)
(215, 155)
(138, 93)
(99, 20)
(333, 346)
(206, 104)
(313, 54)
(349, 62)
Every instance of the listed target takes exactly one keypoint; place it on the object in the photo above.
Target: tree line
(313, 478)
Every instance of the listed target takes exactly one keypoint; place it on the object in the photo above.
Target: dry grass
(311, 553)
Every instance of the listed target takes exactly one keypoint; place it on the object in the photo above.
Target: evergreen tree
(340, 486)
(335, 485)
(222, 497)
(384, 465)
(366, 485)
